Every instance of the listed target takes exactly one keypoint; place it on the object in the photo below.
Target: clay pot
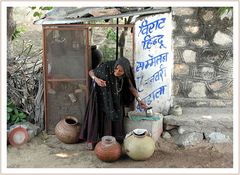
(139, 145)
(108, 149)
(176, 110)
(68, 129)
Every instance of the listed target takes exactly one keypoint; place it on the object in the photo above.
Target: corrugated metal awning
(74, 15)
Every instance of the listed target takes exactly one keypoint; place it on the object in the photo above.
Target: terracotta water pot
(67, 130)
(139, 145)
(108, 149)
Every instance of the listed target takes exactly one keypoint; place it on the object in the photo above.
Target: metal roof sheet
(73, 15)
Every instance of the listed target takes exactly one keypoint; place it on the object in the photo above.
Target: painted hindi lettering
(153, 96)
(153, 61)
(149, 41)
(147, 28)
(157, 75)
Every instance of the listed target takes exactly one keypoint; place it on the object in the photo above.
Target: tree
(11, 26)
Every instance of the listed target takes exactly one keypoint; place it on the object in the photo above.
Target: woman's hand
(100, 82)
(143, 104)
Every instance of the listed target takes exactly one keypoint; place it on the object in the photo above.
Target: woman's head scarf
(124, 62)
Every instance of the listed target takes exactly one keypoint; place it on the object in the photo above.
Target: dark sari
(105, 109)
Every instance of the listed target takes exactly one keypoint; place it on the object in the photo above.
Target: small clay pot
(108, 149)
(176, 110)
(68, 129)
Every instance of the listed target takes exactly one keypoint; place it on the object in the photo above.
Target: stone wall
(203, 58)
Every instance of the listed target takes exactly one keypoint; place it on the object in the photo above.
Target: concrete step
(202, 102)
(203, 117)
(214, 124)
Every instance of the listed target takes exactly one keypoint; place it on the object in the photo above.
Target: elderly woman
(113, 88)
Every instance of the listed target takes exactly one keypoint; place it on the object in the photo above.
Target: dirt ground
(46, 151)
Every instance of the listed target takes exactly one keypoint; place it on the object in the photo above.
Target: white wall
(154, 60)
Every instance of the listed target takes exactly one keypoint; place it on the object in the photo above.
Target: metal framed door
(66, 64)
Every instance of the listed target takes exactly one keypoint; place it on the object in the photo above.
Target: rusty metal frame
(87, 25)
(45, 69)
(87, 51)
(83, 27)
(133, 44)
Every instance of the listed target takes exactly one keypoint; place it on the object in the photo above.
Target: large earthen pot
(67, 130)
(139, 145)
(108, 149)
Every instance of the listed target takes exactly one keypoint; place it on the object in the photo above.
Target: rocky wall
(203, 57)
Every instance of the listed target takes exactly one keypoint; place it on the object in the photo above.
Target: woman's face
(118, 71)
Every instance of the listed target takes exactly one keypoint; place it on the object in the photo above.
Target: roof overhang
(95, 14)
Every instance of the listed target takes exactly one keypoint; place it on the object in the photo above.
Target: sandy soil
(46, 151)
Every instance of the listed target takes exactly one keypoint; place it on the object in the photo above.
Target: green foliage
(14, 115)
(39, 12)
(45, 8)
(18, 32)
(108, 53)
(111, 34)
(223, 10)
